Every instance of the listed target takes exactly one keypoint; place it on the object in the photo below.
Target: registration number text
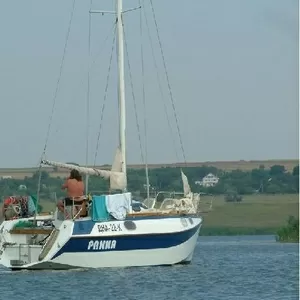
(109, 227)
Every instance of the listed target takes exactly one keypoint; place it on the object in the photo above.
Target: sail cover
(117, 164)
(117, 177)
(117, 182)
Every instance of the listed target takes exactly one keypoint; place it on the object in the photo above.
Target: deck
(31, 231)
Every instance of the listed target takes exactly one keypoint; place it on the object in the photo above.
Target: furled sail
(186, 186)
(117, 182)
(118, 177)
(117, 164)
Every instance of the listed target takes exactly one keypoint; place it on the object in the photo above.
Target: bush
(233, 197)
(290, 232)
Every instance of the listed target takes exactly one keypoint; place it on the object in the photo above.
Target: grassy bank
(227, 231)
(48, 206)
(256, 214)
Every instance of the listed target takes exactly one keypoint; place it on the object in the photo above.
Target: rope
(105, 97)
(54, 102)
(168, 81)
(160, 87)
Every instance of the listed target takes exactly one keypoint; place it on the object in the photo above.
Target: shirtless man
(74, 186)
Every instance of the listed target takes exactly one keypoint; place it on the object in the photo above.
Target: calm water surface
(226, 268)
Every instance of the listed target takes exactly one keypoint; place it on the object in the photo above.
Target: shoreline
(236, 231)
(244, 231)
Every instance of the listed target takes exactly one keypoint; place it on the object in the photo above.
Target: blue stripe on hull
(86, 226)
(127, 242)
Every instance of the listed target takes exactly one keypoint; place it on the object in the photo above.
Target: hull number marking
(109, 227)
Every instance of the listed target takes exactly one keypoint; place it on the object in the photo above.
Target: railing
(76, 207)
(96, 192)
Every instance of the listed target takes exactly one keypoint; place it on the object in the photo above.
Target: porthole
(130, 225)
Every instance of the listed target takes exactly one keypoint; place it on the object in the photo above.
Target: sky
(232, 67)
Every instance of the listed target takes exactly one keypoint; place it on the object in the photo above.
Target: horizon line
(175, 164)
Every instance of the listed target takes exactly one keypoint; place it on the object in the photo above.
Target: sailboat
(110, 233)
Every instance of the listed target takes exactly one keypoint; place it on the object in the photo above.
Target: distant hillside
(243, 165)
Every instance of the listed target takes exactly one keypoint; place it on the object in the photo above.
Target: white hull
(141, 240)
(86, 244)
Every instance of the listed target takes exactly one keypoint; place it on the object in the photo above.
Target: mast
(88, 105)
(121, 88)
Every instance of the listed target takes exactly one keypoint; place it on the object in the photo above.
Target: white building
(22, 187)
(209, 180)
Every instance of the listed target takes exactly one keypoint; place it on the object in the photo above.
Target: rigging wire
(88, 101)
(93, 63)
(105, 96)
(168, 81)
(134, 99)
(160, 86)
(144, 102)
(59, 77)
(54, 102)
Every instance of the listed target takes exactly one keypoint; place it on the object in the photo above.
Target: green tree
(44, 175)
(296, 171)
(277, 170)
(296, 178)
(290, 232)
(273, 189)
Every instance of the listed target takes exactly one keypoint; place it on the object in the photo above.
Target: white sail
(117, 164)
(117, 182)
(90, 171)
(186, 186)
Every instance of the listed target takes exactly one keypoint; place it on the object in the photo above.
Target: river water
(229, 268)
